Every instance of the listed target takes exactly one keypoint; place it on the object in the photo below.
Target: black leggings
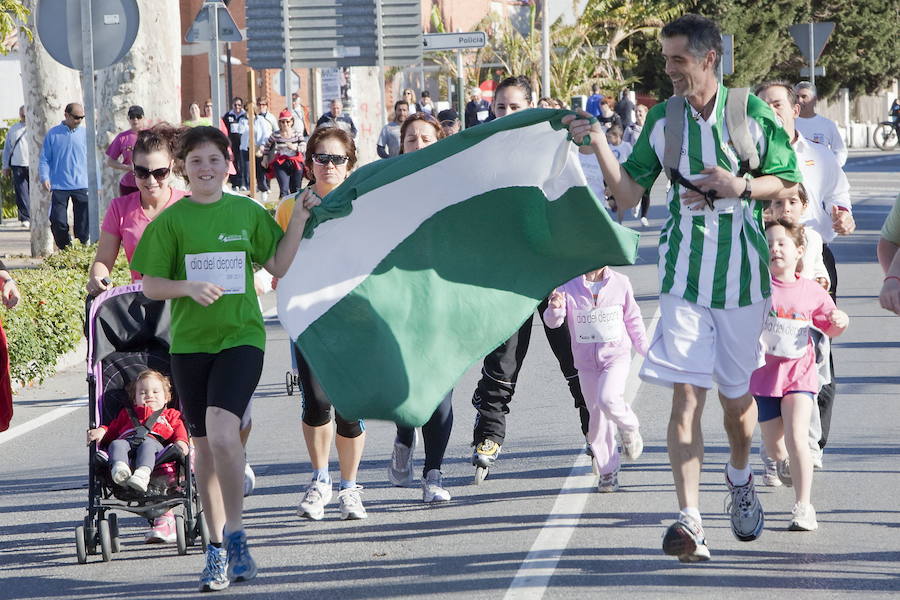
(317, 407)
(225, 380)
(435, 434)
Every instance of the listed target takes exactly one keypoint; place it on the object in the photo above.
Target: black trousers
(501, 371)
(828, 392)
(59, 220)
(21, 187)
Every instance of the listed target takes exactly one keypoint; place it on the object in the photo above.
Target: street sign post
(811, 39)
(86, 36)
(455, 41)
(214, 24)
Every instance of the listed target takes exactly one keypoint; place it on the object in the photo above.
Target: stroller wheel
(80, 545)
(289, 383)
(114, 532)
(90, 535)
(105, 540)
(180, 534)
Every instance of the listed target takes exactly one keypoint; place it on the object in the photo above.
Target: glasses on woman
(323, 159)
(158, 174)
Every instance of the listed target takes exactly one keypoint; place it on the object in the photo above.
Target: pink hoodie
(615, 306)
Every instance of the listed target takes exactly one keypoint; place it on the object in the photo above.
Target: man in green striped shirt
(713, 269)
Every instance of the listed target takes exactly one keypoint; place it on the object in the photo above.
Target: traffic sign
(453, 41)
(114, 29)
(727, 63)
(200, 29)
(820, 71)
(821, 32)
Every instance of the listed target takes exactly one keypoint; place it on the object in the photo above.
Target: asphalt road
(535, 528)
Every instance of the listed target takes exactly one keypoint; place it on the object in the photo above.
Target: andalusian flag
(418, 266)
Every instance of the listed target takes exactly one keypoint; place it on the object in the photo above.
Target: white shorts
(699, 345)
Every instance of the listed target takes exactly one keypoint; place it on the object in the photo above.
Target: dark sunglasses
(144, 172)
(323, 159)
(76, 117)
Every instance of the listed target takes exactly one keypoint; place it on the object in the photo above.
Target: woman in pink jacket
(601, 310)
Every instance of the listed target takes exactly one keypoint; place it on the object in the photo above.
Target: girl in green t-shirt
(199, 252)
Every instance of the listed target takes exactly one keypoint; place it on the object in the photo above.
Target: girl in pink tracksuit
(604, 321)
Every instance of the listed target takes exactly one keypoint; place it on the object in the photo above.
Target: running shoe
(317, 495)
(783, 468)
(632, 444)
(249, 479)
(140, 479)
(816, 456)
(400, 470)
(214, 577)
(433, 488)
(645, 222)
(588, 451)
(486, 453)
(608, 483)
(770, 475)
(747, 518)
(241, 566)
(351, 504)
(685, 539)
(120, 472)
(803, 518)
(163, 530)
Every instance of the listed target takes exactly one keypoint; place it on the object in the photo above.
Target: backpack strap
(739, 129)
(674, 136)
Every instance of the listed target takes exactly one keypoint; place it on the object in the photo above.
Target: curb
(63, 363)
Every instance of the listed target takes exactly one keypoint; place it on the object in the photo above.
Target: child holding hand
(784, 388)
(601, 310)
(151, 392)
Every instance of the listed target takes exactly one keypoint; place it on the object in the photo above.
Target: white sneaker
(351, 504)
(433, 488)
(400, 470)
(770, 475)
(632, 444)
(783, 468)
(140, 479)
(804, 518)
(608, 483)
(317, 495)
(816, 456)
(26, 224)
(249, 479)
(645, 222)
(120, 472)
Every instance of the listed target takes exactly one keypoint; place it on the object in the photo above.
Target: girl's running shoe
(163, 530)
(214, 577)
(804, 518)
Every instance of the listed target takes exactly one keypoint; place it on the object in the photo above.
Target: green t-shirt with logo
(218, 243)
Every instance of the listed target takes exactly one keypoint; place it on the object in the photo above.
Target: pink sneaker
(163, 530)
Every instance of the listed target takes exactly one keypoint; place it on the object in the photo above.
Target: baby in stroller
(141, 430)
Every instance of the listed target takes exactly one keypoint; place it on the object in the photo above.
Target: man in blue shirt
(338, 118)
(63, 173)
(594, 100)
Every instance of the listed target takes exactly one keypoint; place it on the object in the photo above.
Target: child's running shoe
(685, 539)
(747, 518)
(433, 488)
(400, 470)
(241, 566)
(770, 475)
(485, 453)
(803, 518)
(120, 472)
(140, 479)
(317, 495)
(163, 530)
(608, 483)
(632, 444)
(783, 468)
(214, 577)
(350, 501)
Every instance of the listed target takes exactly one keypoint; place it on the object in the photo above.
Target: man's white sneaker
(317, 495)
(747, 517)
(645, 222)
(433, 488)
(351, 503)
(685, 539)
(804, 518)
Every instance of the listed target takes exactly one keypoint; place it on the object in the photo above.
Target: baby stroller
(127, 333)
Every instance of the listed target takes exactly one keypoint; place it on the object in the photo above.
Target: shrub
(49, 320)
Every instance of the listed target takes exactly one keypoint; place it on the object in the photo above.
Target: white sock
(738, 476)
(692, 512)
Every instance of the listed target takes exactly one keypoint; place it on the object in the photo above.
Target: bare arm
(104, 260)
(886, 251)
(160, 288)
(890, 288)
(114, 164)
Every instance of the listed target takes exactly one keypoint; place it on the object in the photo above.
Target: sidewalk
(15, 246)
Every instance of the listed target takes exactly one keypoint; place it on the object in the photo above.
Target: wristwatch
(745, 195)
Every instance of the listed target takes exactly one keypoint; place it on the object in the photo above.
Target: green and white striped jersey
(716, 257)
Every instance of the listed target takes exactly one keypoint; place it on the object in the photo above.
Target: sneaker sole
(795, 526)
(312, 516)
(214, 587)
(680, 543)
(749, 537)
(353, 517)
(244, 576)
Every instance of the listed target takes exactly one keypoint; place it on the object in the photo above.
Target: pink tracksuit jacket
(614, 301)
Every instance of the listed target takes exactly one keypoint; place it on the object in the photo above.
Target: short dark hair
(195, 136)
(616, 129)
(236, 98)
(323, 133)
(70, 106)
(519, 81)
(792, 97)
(399, 102)
(702, 34)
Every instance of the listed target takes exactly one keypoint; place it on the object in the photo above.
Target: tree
(13, 13)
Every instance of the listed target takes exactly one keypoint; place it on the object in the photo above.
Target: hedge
(49, 320)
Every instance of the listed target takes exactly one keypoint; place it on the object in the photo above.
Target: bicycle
(887, 135)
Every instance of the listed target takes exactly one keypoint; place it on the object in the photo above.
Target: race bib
(482, 115)
(225, 269)
(235, 127)
(602, 324)
(785, 338)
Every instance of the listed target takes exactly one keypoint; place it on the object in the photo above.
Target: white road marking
(48, 417)
(535, 572)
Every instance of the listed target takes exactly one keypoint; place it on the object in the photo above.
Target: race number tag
(225, 269)
(235, 127)
(785, 338)
(601, 324)
(482, 115)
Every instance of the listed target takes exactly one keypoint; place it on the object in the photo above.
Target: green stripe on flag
(450, 293)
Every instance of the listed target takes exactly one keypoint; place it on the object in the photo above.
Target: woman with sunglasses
(418, 131)
(123, 146)
(283, 155)
(331, 155)
(129, 215)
